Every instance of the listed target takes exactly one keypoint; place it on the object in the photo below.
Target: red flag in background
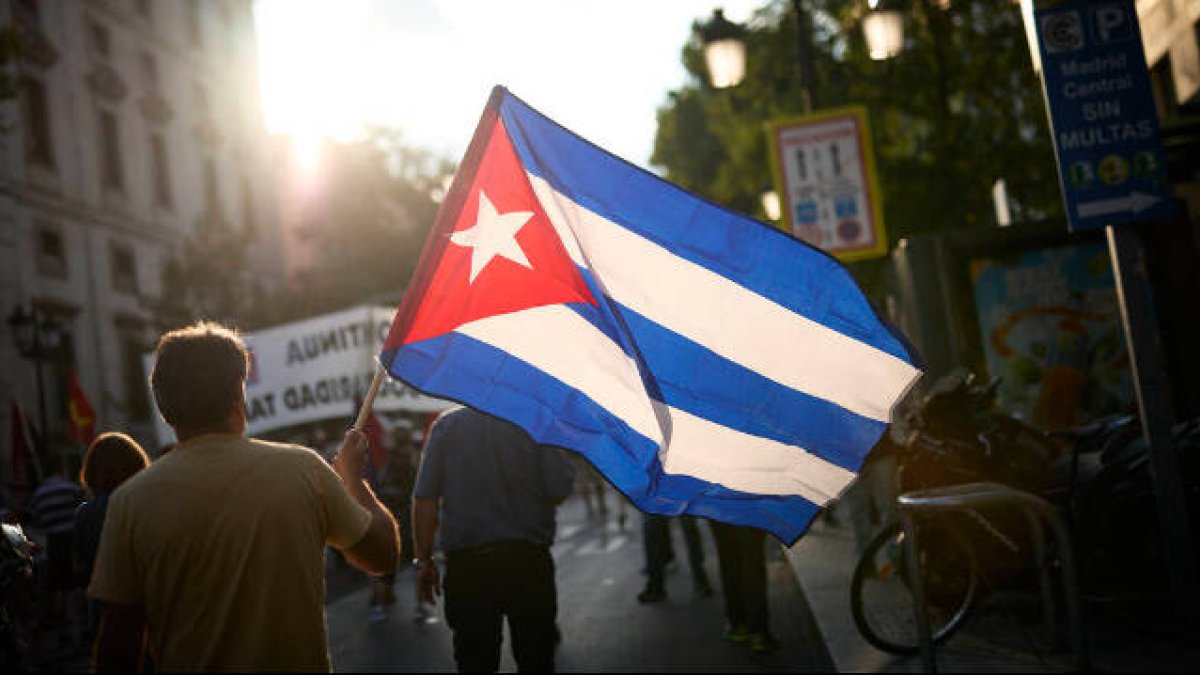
(23, 454)
(81, 416)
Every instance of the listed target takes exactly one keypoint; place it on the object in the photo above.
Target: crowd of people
(179, 558)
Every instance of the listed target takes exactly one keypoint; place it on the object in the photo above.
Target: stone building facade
(133, 121)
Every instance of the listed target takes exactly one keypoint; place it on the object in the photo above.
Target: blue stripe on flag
(694, 379)
(803, 279)
(458, 367)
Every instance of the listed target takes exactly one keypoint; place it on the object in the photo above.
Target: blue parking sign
(1102, 114)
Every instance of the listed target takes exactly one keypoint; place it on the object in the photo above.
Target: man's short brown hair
(198, 375)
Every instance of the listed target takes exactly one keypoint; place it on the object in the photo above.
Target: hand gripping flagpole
(364, 411)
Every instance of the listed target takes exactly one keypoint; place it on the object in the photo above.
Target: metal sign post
(1154, 407)
(1111, 166)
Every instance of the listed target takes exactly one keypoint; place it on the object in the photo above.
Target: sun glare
(328, 69)
(306, 152)
(310, 61)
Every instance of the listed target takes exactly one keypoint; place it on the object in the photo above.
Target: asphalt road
(604, 627)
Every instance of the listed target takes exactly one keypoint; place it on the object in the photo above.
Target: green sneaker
(736, 634)
(763, 643)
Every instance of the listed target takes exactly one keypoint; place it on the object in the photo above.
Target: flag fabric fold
(704, 362)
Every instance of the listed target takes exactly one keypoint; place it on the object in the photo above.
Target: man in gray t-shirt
(497, 491)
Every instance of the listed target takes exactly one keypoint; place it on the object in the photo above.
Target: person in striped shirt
(52, 512)
(52, 509)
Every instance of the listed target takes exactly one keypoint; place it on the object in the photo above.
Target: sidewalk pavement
(996, 636)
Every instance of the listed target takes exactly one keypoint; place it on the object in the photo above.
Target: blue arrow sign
(1105, 125)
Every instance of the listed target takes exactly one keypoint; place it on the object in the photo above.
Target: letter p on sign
(1112, 24)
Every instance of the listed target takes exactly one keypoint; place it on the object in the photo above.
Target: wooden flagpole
(364, 411)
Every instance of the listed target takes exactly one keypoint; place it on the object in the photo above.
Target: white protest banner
(314, 369)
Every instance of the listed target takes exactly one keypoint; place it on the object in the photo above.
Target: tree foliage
(378, 203)
(373, 208)
(10, 50)
(959, 108)
(211, 277)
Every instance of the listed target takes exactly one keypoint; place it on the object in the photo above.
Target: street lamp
(771, 205)
(724, 45)
(883, 28)
(38, 338)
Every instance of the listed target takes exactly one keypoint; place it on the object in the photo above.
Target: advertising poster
(1051, 332)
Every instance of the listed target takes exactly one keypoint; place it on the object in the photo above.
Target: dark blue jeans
(742, 556)
(485, 585)
(656, 537)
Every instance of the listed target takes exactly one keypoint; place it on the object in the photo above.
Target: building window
(112, 173)
(212, 192)
(124, 270)
(30, 8)
(200, 93)
(149, 68)
(51, 254)
(161, 171)
(228, 32)
(248, 220)
(38, 148)
(136, 396)
(195, 34)
(98, 40)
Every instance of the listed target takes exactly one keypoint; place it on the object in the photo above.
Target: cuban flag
(704, 362)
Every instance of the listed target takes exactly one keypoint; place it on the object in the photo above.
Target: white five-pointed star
(494, 234)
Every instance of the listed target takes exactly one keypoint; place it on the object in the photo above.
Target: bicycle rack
(1035, 509)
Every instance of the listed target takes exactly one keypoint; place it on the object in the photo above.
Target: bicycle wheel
(880, 598)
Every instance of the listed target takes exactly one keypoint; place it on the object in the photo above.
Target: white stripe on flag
(564, 345)
(715, 453)
(579, 355)
(748, 329)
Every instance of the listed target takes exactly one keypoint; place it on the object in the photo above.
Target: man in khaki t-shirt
(212, 558)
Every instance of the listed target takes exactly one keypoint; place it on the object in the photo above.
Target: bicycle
(957, 439)
(881, 602)
(961, 557)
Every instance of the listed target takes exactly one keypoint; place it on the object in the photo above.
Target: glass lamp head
(724, 45)
(884, 31)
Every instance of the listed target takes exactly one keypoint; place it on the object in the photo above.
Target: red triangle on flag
(502, 255)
